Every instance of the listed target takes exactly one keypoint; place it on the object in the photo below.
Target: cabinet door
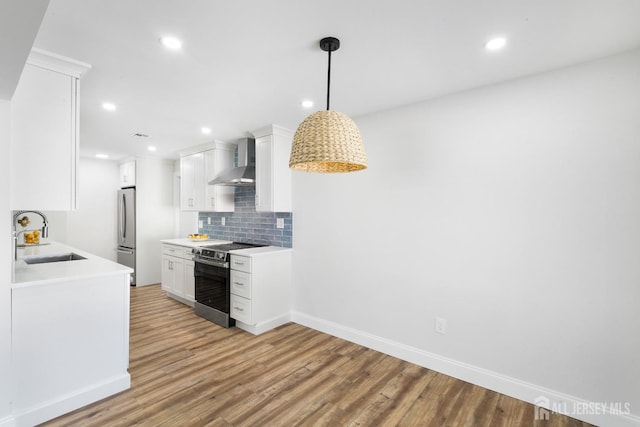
(44, 141)
(187, 173)
(198, 180)
(167, 274)
(177, 265)
(189, 281)
(192, 182)
(128, 174)
(264, 190)
(273, 176)
(218, 198)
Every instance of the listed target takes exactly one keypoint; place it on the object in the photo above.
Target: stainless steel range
(212, 277)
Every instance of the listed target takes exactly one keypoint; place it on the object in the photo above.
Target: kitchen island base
(70, 344)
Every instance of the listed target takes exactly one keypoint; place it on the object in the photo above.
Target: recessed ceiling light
(496, 43)
(151, 148)
(171, 43)
(102, 156)
(206, 131)
(307, 103)
(109, 106)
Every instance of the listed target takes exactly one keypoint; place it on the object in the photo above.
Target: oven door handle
(210, 262)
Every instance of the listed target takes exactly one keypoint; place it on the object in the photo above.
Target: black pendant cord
(328, 80)
(329, 44)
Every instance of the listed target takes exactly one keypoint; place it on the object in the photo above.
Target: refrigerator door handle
(119, 220)
(125, 251)
(124, 217)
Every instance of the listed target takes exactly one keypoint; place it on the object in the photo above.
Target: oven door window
(212, 286)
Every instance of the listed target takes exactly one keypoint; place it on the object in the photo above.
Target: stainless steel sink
(53, 258)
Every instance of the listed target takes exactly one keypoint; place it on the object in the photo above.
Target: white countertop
(247, 251)
(38, 274)
(262, 250)
(194, 243)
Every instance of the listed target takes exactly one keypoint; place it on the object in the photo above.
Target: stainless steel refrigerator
(127, 230)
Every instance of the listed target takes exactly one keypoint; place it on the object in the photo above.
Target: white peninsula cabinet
(200, 165)
(273, 176)
(69, 332)
(261, 288)
(44, 133)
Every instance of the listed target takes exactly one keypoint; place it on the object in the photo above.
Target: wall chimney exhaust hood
(245, 174)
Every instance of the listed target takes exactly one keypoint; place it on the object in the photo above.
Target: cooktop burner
(231, 246)
(219, 252)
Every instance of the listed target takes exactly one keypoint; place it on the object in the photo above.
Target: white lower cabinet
(177, 272)
(261, 289)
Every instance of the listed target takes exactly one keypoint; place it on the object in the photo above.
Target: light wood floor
(187, 371)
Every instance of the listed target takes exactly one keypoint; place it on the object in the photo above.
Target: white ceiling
(249, 63)
(19, 22)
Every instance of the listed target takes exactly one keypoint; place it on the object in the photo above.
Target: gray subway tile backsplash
(247, 225)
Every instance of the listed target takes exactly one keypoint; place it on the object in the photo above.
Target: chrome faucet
(24, 221)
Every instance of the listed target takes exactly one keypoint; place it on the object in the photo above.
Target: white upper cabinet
(197, 168)
(44, 133)
(191, 182)
(218, 198)
(128, 174)
(273, 176)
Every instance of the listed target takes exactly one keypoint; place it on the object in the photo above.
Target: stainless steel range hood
(245, 174)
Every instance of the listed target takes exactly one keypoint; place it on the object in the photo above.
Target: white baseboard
(52, 409)
(553, 400)
(264, 326)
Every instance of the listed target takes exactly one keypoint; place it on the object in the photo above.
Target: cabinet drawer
(241, 263)
(241, 283)
(171, 250)
(187, 253)
(177, 251)
(241, 309)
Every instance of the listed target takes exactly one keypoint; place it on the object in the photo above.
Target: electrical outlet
(223, 221)
(441, 325)
(200, 224)
(208, 220)
(279, 222)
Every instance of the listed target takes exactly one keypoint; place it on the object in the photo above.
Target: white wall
(5, 264)
(154, 216)
(513, 212)
(92, 227)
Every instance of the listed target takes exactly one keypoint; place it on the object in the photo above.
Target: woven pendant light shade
(327, 141)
